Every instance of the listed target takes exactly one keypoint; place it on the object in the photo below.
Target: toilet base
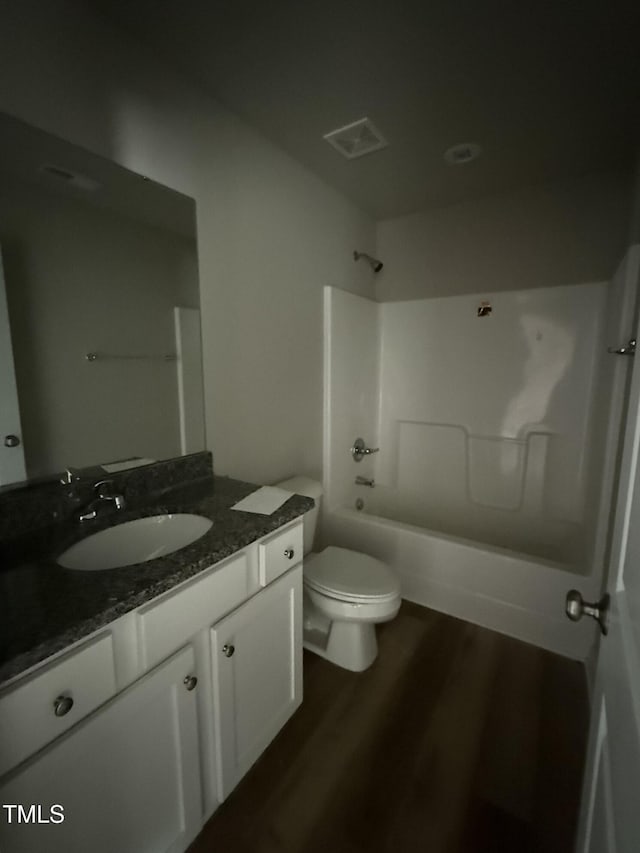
(344, 632)
(351, 645)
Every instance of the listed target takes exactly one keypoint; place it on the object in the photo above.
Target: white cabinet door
(257, 674)
(127, 778)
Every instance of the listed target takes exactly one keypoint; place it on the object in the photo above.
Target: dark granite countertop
(45, 608)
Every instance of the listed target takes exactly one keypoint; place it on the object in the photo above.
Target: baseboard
(557, 635)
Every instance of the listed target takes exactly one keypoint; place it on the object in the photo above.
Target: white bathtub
(504, 590)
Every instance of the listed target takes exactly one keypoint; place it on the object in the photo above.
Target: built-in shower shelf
(495, 471)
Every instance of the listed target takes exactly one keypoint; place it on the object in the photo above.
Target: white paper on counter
(264, 501)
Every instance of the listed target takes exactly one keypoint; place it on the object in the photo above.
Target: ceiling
(24, 150)
(547, 89)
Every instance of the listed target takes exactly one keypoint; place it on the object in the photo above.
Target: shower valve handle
(360, 450)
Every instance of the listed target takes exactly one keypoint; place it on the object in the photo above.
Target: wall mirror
(100, 349)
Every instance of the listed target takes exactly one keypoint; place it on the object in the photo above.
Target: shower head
(374, 263)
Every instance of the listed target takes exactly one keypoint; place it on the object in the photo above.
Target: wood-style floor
(457, 740)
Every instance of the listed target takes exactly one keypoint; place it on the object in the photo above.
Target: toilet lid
(350, 575)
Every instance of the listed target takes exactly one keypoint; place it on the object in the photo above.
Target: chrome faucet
(70, 476)
(103, 494)
(365, 481)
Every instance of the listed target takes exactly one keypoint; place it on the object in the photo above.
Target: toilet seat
(350, 576)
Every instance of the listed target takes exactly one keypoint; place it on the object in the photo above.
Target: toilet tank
(310, 489)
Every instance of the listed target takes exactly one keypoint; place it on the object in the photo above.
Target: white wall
(352, 352)
(277, 240)
(270, 233)
(553, 235)
(81, 279)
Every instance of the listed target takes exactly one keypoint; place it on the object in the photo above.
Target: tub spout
(365, 481)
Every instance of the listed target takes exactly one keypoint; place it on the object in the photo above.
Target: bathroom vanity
(134, 698)
(180, 673)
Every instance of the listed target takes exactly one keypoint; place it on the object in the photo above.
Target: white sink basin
(135, 542)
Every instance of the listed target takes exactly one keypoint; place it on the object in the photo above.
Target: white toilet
(345, 594)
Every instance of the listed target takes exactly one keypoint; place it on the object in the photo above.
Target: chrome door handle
(228, 650)
(576, 607)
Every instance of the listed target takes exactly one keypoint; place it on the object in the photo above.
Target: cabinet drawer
(169, 622)
(85, 678)
(127, 777)
(280, 552)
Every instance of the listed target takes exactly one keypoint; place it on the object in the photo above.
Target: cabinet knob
(190, 682)
(62, 705)
(289, 553)
(228, 650)
(11, 441)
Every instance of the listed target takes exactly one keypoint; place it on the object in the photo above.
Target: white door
(257, 674)
(127, 778)
(610, 817)
(12, 468)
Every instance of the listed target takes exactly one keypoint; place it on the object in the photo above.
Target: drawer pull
(62, 705)
(190, 682)
(289, 553)
(228, 650)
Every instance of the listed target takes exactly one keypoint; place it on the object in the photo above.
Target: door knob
(576, 607)
(11, 441)
(62, 705)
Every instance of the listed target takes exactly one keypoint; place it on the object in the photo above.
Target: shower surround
(496, 431)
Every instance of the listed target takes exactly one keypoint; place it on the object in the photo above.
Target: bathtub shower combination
(497, 418)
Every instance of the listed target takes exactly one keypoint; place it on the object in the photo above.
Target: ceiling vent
(356, 139)
(71, 179)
